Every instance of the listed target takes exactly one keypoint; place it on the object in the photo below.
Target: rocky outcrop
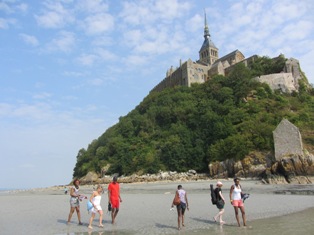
(251, 166)
(296, 169)
(90, 178)
(93, 178)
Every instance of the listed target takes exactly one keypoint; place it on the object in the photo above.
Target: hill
(186, 128)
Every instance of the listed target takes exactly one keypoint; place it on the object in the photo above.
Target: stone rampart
(279, 81)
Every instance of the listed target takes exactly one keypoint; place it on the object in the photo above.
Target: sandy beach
(146, 209)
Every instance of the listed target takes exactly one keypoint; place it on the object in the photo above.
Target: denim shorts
(74, 202)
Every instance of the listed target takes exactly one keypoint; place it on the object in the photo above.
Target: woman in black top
(220, 203)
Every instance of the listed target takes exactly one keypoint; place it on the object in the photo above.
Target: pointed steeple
(206, 29)
(209, 52)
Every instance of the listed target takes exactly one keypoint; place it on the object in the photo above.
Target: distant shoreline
(289, 189)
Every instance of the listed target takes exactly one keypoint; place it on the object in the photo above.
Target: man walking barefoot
(114, 198)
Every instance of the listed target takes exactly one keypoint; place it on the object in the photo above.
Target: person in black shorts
(220, 203)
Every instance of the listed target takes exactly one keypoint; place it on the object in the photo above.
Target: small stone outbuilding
(287, 140)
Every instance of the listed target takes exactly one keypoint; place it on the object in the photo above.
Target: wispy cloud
(87, 59)
(6, 22)
(4, 6)
(42, 95)
(23, 7)
(64, 42)
(54, 15)
(92, 7)
(98, 24)
(29, 39)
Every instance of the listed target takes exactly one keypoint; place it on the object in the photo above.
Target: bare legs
(91, 221)
(114, 213)
(92, 218)
(236, 211)
(180, 218)
(78, 214)
(100, 219)
(219, 215)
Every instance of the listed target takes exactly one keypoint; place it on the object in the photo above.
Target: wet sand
(146, 210)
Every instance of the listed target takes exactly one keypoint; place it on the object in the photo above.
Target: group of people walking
(182, 205)
(114, 199)
(236, 201)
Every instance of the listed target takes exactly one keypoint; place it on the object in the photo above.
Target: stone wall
(279, 81)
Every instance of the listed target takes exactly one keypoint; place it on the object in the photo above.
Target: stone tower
(208, 53)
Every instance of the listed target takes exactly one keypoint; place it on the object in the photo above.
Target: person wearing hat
(114, 197)
(220, 203)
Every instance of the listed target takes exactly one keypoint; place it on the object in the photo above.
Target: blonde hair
(99, 186)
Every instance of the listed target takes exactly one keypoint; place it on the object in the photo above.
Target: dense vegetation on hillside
(186, 128)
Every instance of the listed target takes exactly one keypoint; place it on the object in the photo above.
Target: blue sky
(70, 68)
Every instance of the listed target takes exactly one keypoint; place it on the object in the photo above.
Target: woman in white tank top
(95, 200)
(236, 201)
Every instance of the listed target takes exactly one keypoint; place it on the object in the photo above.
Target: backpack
(213, 195)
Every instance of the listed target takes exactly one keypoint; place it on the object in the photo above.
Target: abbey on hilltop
(209, 64)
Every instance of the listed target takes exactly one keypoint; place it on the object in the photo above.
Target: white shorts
(95, 210)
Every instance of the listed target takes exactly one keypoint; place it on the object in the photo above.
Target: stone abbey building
(209, 64)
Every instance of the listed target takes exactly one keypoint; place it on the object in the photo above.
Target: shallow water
(296, 223)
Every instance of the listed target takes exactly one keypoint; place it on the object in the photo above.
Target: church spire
(209, 52)
(206, 29)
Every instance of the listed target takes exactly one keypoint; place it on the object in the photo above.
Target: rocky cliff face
(294, 169)
(290, 169)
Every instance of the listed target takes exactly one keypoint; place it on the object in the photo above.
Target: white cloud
(23, 7)
(94, 6)
(5, 8)
(136, 60)
(29, 39)
(291, 10)
(98, 24)
(298, 30)
(64, 42)
(171, 9)
(73, 74)
(40, 111)
(50, 20)
(87, 59)
(106, 55)
(147, 12)
(96, 82)
(42, 95)
(5, 23)
(193, 24)
(135, 14)
(54, 15)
